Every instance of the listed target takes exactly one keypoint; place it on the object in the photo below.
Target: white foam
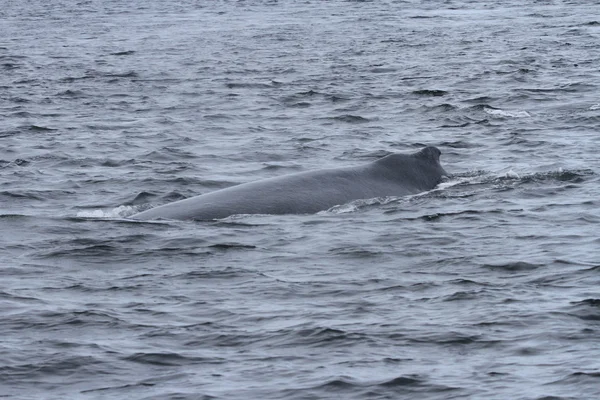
(512, 175)
(464, 178)
(504, 113)
(118, 212)
(453, 182)
(355, 205)
(341, 209)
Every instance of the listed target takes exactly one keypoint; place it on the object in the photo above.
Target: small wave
(355, 252)
(309, 93)
(383, 70)
(23, 114)
(128, 74)
(164, 359)
(229, 246)
(458, 144)
(218, 117)
(430, 93)
(351, 119)
(438, 216)
(40, 128)
(300, 99)
(402, 386)
(562, 175)
(300, 104)
(39, 195)
(410, 383)
(227, 273)
(587, 310)
(445, 107)
(111, 163)
(513, 266)
(276, 167)
(242, 85)
(166, 153)
(10, 297)
(71, 94)
(18, 162)
(123, 53)
(581, 380)
(589, 302)
(325, 337)
(507, 178)
(10, 66)
(59, 367)
(456, 125)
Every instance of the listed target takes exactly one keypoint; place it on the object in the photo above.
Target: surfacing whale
(311, 191)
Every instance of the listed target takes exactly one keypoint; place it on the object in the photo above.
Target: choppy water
(486, 287)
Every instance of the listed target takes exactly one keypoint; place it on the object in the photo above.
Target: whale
(311, 191)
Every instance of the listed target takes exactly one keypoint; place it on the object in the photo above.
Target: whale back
(312, 191)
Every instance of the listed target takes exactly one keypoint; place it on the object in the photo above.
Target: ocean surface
(487, 287)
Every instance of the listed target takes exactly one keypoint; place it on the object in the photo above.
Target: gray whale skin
(311, 191)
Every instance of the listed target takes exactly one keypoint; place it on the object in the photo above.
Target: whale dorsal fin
(427, 158)
(429, 153)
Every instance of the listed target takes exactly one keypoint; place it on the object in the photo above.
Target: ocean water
(485, 287)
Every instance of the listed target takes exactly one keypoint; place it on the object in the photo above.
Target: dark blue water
(486, 287)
